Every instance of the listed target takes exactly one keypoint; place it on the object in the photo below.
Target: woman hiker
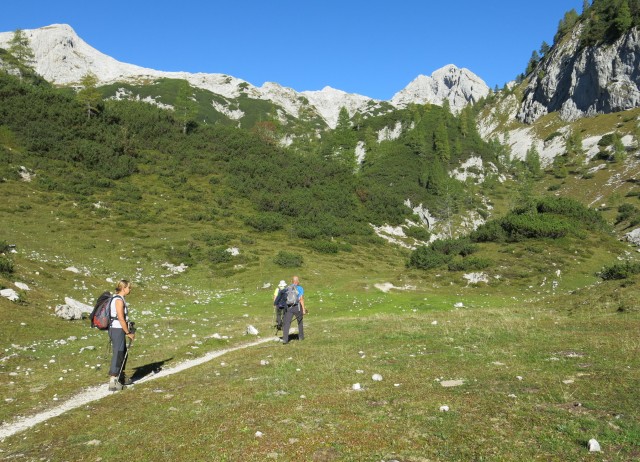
(119, 332)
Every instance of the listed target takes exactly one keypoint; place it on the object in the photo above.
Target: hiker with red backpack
(120, 330)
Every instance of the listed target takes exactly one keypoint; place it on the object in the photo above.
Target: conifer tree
(573, 146)
(22, 56)
(532, 161)
(623, 20)
(89, 95)
(186, 107)
(441, 143)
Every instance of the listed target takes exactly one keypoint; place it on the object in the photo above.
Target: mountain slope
(63, 58)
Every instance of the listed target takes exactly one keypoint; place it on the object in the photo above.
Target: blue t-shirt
(300, 291)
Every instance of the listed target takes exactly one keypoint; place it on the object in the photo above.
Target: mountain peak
(459, 86)
(63, 58)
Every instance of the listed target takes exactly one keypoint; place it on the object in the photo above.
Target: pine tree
(573, 146)
(186, 108)
(533, 62)
(441, 143)
(22, 56)
(89, 95)
(623, 20)
(544, 48)
(532, 161)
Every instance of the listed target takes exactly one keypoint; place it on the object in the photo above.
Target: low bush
(6, 265)
(469, 264)
(218, 255)
(288, 259)
(418, 232)
(265, 221)
(323, 246)
(425, 258)
(620, 270)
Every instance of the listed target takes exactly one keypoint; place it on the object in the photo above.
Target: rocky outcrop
(458, 86)
(73, 309)
(578, 82)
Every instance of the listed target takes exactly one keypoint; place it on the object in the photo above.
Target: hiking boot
(114, 384)
(124, 380)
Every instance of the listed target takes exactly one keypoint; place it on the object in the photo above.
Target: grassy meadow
(543, 357)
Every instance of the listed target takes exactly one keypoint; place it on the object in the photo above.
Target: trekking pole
(275, 318)
(124, 360)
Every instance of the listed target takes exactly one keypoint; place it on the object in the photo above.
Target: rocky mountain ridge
(63, 58)
(578, 82)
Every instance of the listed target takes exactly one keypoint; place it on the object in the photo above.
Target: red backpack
(101, 315)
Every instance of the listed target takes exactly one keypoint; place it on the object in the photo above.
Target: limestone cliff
(579, 82)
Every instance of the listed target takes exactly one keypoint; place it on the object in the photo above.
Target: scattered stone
(459, 305)
(21, 285)
(356, 386)
(264, 362)
(475, 278)
(10, 294)
(73, 269)
(252, 330)
(452, 383)
(444, 408)
(376, 378)
(258, 434)
(594, 446)
(93, 443)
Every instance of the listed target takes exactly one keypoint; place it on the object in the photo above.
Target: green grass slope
(543, 353)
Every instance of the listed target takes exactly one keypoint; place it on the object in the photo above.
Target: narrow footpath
(98, 392)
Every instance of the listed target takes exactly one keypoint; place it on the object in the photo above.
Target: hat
(282, 284)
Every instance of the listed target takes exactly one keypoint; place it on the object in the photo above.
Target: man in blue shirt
(298, 310)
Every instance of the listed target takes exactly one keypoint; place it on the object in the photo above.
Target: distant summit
(63, 58)
(459, 86)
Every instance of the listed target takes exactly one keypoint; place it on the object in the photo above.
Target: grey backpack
(293, 297)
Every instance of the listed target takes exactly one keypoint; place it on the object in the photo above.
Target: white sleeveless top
(115, 322)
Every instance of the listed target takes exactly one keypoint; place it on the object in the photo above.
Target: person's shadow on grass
(151, 368)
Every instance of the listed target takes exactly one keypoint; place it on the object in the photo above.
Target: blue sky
(373, 47)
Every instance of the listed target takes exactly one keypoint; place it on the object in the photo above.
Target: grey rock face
(584, 82)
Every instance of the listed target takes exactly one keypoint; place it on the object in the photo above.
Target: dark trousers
(279, 316)
(118, 342)
(288, 317)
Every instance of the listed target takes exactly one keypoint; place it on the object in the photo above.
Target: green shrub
(535, 226)
(324, 246)
(607, 140)
(626, 211)
(469, 264)
(490, 231)
(288, 259)
(552, 136)
(621, 270)
(425, 258)
(265, 221)
(419, 233)
(461, 246)
(6, 265)
(4, 247)
(213, 237)
(219, 255)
